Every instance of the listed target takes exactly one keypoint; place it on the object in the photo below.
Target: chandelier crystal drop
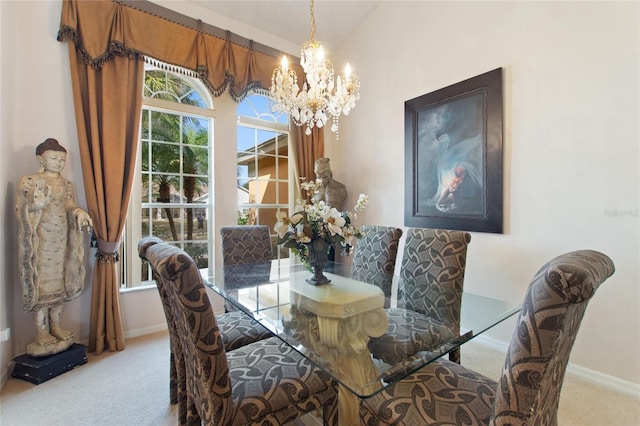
(323, 95)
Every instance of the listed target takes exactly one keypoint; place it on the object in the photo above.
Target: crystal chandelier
(321, 96)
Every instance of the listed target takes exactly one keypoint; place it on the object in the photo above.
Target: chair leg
(454, 356)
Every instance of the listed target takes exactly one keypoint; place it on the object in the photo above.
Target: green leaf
(291, 244)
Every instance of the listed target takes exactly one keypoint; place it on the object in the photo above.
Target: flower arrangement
(315, 220)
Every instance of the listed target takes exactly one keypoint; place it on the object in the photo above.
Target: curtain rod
(198, 25)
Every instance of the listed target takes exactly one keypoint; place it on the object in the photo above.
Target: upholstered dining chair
(374, 257)
(246, 257)
(236, 327)
(265, 382)
(528, 390)
(430, 289)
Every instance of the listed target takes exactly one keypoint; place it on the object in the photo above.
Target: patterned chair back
(246, 255)
(194, 324)
(374, 253)
(529, 387)
(176, 373)
(432, 273)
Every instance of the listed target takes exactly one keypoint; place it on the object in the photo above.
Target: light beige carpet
(132, 388)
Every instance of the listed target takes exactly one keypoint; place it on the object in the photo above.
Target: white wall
(7, 264)
(571, 139)
(571, 143)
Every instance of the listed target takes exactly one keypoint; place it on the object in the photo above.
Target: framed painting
(453, 156)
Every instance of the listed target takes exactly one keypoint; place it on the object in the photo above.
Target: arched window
(171, 193)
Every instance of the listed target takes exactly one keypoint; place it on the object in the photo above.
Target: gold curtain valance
(101, 29)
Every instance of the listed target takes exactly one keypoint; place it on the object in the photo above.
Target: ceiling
(291, 19)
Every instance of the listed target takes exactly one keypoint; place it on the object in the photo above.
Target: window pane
(282, 144)
(165, 158)
(250, 164)
(245, 108)
(246, 139)
(164, 188)
(199, 251)
(158, 85)
(144, 131)
(179, 86)
(257, 191)
(196, 160)
(194, 221)
(266, 167)
(195, 131)
(242, 172)
(146, 218)
(267, 216)
(202, 229)
(201, 195)
(283, 168)
(243, 216)
(165, 223)
(194, 98)
(266, 141)
(144, 148)
(165, 126)
(283, 192)
(283, 253)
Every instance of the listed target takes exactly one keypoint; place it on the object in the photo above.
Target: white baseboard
(588, 375)
(130, 334)
(604, 380)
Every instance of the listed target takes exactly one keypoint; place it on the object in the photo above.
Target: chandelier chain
(313, 23)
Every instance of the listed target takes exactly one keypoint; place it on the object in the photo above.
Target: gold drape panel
(107, 108)
(102, 29)
(307, 149)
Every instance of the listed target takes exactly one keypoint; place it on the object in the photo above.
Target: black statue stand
(40, 369)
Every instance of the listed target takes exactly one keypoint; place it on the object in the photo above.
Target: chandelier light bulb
(323, 95)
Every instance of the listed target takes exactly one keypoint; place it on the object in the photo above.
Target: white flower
(334, 221)
(282, 224)
(363, 200)
(296, 217)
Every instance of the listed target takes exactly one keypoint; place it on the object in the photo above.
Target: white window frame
(132, 264)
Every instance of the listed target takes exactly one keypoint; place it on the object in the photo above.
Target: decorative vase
(318, 257)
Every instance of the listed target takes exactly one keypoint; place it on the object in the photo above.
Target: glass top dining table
(331, 324)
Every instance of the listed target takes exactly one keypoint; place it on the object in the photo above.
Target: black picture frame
(453, 156)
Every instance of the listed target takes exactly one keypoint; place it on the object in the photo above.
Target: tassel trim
(117, 48)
